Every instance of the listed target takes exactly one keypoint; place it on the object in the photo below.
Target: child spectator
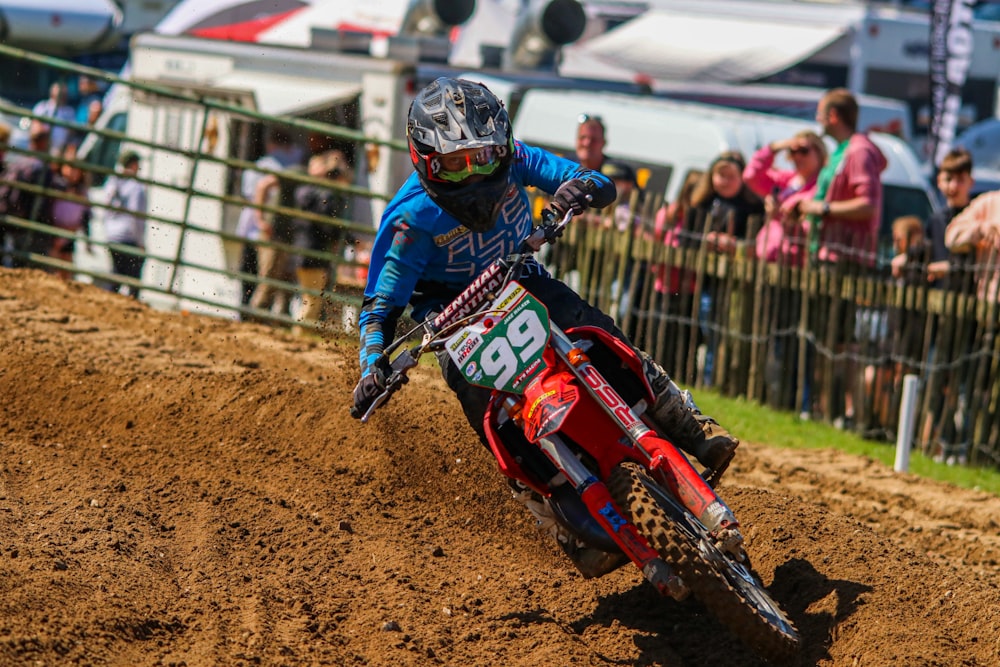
(954, 180)
(313, 273)
(949, 270)
(721, 207)
(125, 222)
(722, 204)
(69, 214)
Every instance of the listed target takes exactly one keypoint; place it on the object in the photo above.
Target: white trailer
(368, 95)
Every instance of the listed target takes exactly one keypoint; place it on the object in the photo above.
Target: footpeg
(662, 576)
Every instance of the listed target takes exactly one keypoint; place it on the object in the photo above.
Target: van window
(105, 149)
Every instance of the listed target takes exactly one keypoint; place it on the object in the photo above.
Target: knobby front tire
(728, 589)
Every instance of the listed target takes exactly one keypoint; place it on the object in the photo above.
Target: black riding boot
(675, 412)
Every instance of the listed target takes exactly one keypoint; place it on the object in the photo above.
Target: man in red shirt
(847, 209)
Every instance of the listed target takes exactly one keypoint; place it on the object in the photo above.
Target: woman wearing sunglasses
(783, 234)
(783, 239)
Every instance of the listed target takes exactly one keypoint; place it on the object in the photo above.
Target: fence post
(904, 436)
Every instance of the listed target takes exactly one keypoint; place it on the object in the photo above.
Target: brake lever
(376, 404)
(550, 230)
(403, 362)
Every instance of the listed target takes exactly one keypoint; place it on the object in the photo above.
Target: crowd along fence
(830, 342)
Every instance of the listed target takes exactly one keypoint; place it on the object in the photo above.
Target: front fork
(664, 460)
(602, 507)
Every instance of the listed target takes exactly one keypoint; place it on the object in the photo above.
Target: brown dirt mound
(181, 490)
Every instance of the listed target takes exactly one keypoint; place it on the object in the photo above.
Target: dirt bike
(566, 419)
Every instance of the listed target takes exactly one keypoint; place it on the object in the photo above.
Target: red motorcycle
(565, 419)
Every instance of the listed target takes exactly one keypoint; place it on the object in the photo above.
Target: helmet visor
(457, 166)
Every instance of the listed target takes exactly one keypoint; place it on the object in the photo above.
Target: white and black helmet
(461, 146)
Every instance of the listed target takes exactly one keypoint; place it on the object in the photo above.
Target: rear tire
(730, 590)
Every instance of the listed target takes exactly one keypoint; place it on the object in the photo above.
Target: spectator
(721, 207)
(69, 214)
(279, 153)
(844, 217)
(313, 273)
(125, 222)
(669, 228)
(88, 100)
(56, 108)
(954, 180)
(909, 247)
(591, 139)
(25, 204)
(5, 131)
(722, 204)
(948, 270)
(590, 142)
(782, 239)
(904, 327)
(275, 263)
(782, 236)
(974, 232)
(846, 209)
(92, 113)
(624, 218)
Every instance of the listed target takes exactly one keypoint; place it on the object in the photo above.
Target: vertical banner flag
(950, 55)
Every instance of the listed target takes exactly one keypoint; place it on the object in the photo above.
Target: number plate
(503, 348)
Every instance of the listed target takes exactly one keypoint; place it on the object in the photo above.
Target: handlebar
(490, 281)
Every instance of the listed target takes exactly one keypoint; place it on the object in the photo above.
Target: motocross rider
(465, 206)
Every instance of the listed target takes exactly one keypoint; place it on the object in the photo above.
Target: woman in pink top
(668, 227)
(783, 236)
(783, 239)
(70, 214)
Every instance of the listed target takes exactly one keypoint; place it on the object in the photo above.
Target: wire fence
(827, 341)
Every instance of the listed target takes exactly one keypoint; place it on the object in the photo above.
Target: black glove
(369, 388)
(575, 195)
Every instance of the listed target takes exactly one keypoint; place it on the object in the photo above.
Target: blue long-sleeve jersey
(424, 256)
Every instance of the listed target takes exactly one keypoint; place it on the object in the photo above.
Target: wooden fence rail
(829, 341)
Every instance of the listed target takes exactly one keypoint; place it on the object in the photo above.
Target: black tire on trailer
(728, 589)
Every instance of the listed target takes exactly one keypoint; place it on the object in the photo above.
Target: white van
(666, 139)
(875, 113)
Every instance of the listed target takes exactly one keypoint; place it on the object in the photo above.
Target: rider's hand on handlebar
(370, 387)
(573, 195)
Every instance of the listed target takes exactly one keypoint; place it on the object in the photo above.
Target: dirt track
(180, 490)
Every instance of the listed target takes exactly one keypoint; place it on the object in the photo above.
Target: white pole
(904, 433)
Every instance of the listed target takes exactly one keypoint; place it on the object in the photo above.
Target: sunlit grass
(754, 423)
